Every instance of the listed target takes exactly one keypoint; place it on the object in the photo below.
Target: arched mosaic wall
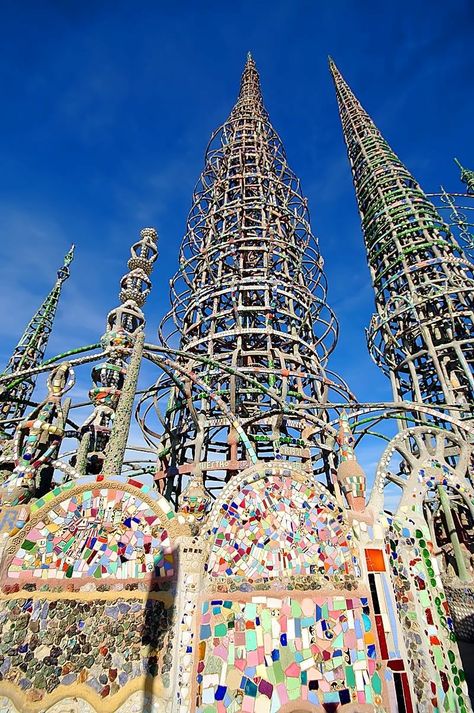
(88, 597)
(94, 532)
(281, 526)
(284, 615)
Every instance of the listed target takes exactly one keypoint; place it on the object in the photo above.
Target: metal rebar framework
(467, 177)
(249, 308)
(422, 334)
(29, 353)
(457, 210)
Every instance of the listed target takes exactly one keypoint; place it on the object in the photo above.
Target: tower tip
(332, 66)
(250, 62)
(250, 82)
(467, 176)
(69, 255)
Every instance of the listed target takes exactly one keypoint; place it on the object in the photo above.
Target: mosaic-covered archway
(276, 522)
(284, 616)
(95, 531)
(91, 578)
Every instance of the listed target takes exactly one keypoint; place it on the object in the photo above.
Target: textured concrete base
(138, 702)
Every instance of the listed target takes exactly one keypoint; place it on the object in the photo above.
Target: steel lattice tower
(30, 350)
(422, 332)
(249, 306)
(467, 177)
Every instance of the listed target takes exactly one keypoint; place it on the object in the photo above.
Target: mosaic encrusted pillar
(438, 677)
(116, 379)
(188, 587)
(118, 438)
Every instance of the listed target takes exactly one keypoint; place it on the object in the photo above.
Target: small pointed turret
(195, 499)
(29, 352)
(350, 475)
(467, 177)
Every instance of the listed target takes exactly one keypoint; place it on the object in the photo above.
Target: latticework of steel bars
(30, 350)
(249, 300)
(422, 332)
(457, 210)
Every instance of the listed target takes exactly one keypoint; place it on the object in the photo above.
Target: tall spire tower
(29, 352)
(422, 332)
(249, 304)
(467, 177)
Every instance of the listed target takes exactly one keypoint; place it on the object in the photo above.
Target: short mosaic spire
(467, 177)
(29, 353)
(422, 332)
(104, 433)
(350, 475)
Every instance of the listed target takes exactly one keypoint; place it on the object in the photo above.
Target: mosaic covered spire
(104, 433)
(467, 177)
(350, 475)
(422, 332)
(29, 352)
(249, 308)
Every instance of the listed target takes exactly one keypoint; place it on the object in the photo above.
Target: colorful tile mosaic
(101, 644)
(277, 526)
(439, 681)
(99, 533)
(258, 655)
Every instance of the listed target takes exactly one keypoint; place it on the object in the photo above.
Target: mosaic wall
(279, 526)
(258, 655)
(96, 533)
(100, 644)
(439, 681)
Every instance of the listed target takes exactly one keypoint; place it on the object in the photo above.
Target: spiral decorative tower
(104, 433)
(29, 353)
(249, 306)
(421, 335)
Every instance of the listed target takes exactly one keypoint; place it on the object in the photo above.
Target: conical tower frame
(29, 353)
(249, 310)
(422, 334)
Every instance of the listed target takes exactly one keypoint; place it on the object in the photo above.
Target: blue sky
(107, 108)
